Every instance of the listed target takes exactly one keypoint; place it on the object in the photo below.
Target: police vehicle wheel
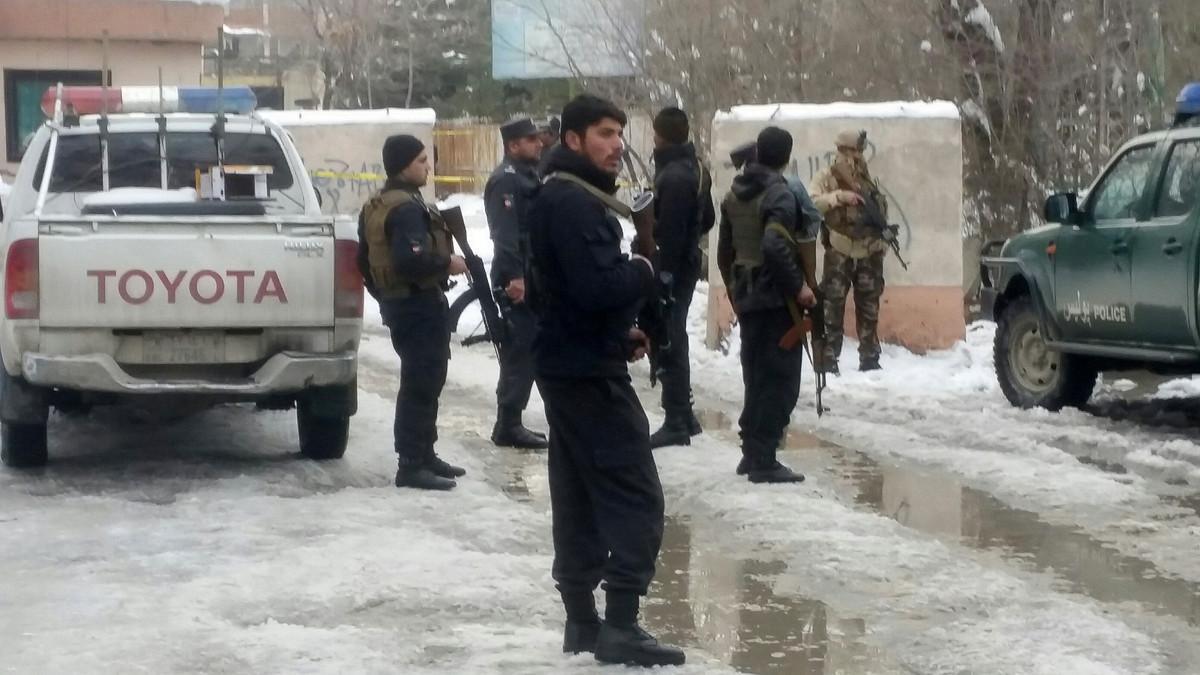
(321, 437)
(23, 445)
(1031, 374)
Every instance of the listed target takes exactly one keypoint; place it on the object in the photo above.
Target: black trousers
(677, 370)
(605, 495)
(421, 337)
(516, 360)
(771, 376)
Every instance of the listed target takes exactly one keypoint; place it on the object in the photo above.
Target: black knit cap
(399, 151)
(774, 147)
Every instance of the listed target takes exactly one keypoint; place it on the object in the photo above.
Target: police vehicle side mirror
(1063, 208)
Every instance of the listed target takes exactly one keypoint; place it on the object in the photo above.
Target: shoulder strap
(608, 200)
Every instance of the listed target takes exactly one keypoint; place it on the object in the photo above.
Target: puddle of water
(939, 505)
(703, 595)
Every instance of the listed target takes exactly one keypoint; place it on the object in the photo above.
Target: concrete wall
(132, 63)
(341, 149)
(915, 152)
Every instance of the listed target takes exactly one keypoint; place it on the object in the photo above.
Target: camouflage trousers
(865, 275)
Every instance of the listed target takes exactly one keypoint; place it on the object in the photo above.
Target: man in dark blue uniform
(406, 257)
(605, 493)
(683, 212)
(506, 199)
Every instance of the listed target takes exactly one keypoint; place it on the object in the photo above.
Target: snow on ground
(208, 546)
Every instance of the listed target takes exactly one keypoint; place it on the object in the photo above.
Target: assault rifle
(477, 278)
(806, 322)
(873, 219)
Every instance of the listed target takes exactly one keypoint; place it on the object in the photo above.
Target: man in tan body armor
(406, 258)
(853, 252)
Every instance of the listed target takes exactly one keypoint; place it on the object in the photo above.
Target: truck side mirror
(1062, 208)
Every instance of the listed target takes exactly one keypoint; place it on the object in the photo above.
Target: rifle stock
(476, 276)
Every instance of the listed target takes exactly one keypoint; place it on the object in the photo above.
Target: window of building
(23, 90)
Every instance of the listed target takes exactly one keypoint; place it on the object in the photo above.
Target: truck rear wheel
(1031, 374)
(23, 445)
(321, 437)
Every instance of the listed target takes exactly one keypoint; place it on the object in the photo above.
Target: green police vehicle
(1110, 283)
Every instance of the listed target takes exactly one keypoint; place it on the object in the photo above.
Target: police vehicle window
(188, 152)
(1118, 193)
(1181, 187)
(133, 160)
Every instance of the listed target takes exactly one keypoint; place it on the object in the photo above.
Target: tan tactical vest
(745, 219)
(847, 220)
(390, 283)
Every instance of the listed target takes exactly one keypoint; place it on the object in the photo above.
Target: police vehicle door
(1092, 280)
(1164, 250)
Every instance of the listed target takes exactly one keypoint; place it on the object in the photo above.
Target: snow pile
(814, 111)
(294, 118)
(136, 195)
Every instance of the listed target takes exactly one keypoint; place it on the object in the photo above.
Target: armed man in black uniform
(605, 494)
(769, 266)
(506, 199)
(406, 257)
(683, 212)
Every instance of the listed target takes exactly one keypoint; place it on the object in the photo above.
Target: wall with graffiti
(341, 149)
(914, 150)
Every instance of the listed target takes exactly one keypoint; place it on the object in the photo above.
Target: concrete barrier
(341, 149)
(915, 152)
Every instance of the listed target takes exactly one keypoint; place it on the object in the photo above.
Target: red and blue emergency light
(1188, 102)
(238, 99)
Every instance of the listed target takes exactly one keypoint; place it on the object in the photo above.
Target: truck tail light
(348, 283)
(21, 300)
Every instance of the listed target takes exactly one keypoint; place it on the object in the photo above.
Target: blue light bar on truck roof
(92, 100)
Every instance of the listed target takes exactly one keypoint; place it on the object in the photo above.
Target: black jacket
(781, 275)
(585, 292)
(506, 200)
(683, 209)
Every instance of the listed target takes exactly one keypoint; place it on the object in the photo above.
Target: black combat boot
(622, 640)
(674, 431)
(583, 624)
(694, 428)
(422, 478)
(773, 472)
(441, 467)
(867, 365)
(743, 466)
(509, 432)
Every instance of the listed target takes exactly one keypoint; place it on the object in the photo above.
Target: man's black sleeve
(502, 204)
(597, 276)
(412, 248)
(779, 255)
(709, 217)
(364, 261)
(676, 220)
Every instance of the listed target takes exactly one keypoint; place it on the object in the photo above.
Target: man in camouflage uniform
(853, 253)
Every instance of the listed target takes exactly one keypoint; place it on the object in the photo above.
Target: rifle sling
(793, 308)
(608, 200)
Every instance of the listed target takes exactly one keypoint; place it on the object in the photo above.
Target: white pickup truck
(145, 290)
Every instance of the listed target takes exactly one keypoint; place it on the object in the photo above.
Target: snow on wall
(840, 110)
(293, 118)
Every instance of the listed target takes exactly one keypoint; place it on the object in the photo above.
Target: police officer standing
(506, 200)
(853, 254)
(605, 494)
(770, 271)
(683, 212)
(406, 257)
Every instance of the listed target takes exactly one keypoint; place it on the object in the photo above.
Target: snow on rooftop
(805, 111)
(294, 118)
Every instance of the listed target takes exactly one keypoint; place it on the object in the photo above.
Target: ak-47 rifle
(655, 316)
(872, 216)
(477, 278)
(806, 322)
